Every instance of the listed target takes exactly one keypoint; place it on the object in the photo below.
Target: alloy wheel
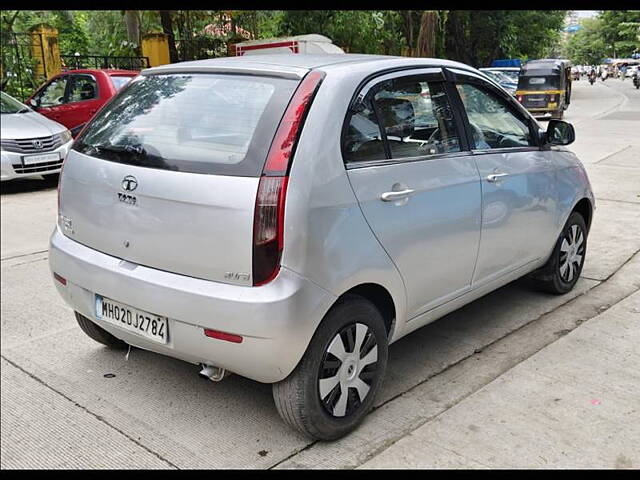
(348, 368)
(571, 253)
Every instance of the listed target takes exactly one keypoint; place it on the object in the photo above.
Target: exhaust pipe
(215, 374)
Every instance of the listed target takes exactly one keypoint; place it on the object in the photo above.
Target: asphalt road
(67, 402)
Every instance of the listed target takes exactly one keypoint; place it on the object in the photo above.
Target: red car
(73, 97)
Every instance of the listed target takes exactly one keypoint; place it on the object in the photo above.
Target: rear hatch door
(166, 176)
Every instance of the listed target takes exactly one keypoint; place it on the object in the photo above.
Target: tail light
(268, 224)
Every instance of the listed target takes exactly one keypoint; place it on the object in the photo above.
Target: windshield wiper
(24, 110)
(137, 149)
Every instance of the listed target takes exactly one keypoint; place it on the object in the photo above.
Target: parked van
(312, 43)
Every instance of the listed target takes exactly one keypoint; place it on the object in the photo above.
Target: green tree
(355, 31)
(478, 37)
(587, 46)
(620, 30)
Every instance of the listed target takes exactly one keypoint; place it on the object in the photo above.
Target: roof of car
(108, 71)
(295, 64)
(500, 69)
(546, 63)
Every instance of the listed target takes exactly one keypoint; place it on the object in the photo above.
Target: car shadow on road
(26, 185)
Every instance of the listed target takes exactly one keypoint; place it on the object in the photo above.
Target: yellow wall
(45, 50)
(155, 46)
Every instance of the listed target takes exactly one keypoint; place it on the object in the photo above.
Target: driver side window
(83, 87)
(53, 94)
(492, 122)
(416, 117)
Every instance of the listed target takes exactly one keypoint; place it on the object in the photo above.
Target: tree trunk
(254, 24)
(427, 35)
(457, 40)
(132, 22)
(167, 28)
(410, 31)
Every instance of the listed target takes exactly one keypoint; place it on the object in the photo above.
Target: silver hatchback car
(288, 217)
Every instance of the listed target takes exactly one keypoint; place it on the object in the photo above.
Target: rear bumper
(276, 321)
(11, 165)
(541, 110)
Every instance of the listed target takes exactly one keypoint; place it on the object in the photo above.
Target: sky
(586, 13)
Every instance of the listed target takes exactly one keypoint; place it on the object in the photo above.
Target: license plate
(45, 157)
(149, 325)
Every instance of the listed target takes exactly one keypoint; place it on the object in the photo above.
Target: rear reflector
(229, 337)
(62, 280)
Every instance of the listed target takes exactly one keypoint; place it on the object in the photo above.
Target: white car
(31, 144)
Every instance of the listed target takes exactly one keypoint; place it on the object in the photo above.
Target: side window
(363, 141)
(417, 117)
(83, 87)
(493, 123)
(53, 94)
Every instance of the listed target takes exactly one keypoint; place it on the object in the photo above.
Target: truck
(311, 43)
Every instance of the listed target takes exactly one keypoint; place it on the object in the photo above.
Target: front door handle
(395, 196)
(496, 177)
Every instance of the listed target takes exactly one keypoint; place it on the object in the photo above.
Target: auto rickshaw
(544, 87)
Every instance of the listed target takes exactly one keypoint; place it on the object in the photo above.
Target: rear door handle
(496, 177)
(394, 196)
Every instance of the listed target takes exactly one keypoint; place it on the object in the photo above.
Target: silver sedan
(31, 144)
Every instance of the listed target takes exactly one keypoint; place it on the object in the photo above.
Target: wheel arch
(584, 208)
(381, 298)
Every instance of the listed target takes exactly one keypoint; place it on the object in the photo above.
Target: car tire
(561, 272)
(99, 334)
(311, 399)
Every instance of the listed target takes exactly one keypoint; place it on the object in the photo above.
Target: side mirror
(560, 133)
(33, 103)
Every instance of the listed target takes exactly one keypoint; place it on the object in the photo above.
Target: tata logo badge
(129, 183)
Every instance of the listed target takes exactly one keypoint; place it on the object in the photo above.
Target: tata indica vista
(288, 217)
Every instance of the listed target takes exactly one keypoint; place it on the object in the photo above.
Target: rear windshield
(199, 123)
(538, 82)
(120, 81)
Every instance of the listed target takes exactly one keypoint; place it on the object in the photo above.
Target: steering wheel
(432, 137)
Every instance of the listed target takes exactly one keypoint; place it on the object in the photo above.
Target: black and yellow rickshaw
(544, 86)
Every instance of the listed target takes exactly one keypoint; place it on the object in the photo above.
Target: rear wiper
(137, 149)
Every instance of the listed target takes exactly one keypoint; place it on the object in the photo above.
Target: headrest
(398, 116)
(87, 91)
